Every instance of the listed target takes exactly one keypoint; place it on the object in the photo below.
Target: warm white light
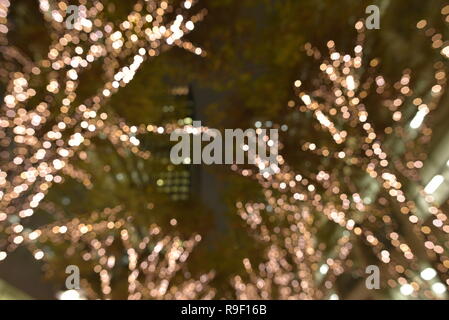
(406, 289)
(438, 288)
(324, 268)
(419, 118)
(333, 297)
(428, 274)
(69, 295)
(39, 255)
(434, 184)
(190, 25)
(350, 82)
(187, 4)
(306, 99)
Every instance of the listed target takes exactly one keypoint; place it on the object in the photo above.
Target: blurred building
(174, 180)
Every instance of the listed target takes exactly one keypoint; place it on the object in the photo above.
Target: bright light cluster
(156, 261)
(381, 215)
(44, 126)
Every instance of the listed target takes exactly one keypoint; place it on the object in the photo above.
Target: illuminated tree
(44, 119)
(363, 187)
(58, 128)
(84, 110)
(122, 259)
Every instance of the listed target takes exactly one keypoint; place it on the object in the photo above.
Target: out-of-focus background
(88, 105)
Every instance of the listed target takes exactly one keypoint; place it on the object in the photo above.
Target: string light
(156, 261)
(44, 137)
(295, 203)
